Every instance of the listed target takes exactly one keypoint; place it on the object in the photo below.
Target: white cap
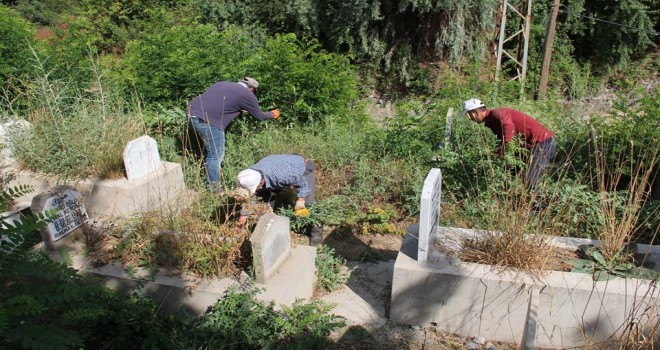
(252, 82)
(249, 179)
(472, 104)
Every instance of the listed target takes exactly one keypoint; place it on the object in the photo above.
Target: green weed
(329, 270)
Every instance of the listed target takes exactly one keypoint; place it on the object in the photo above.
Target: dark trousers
(540, 156)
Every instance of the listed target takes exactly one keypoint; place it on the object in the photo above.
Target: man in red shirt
(505, 123)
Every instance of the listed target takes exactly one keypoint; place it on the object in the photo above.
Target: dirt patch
(358, 247)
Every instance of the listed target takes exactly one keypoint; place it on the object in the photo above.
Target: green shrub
(68, 53)
(179, 62)
(17, 37)
(47, 305)
(239, 321)
(304, 81)
(329, 270)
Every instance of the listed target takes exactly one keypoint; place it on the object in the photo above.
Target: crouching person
(274, 173)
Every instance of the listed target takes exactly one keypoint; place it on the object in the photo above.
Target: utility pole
(523, 17)
(547, 51)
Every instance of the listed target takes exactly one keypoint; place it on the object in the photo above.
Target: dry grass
(192, 240)
(515, 251)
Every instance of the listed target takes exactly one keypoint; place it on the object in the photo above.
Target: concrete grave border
(559, 310)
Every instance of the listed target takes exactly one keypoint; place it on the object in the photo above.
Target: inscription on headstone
(141, 157)
(68, 210)
(429, 213)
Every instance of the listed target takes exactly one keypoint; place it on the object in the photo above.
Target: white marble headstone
(141, 157)
(429, 212)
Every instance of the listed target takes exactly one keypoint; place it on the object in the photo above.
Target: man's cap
(472, 104)
(252, 82)
(249, 179)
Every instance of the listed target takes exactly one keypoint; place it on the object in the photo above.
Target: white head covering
(249, 179)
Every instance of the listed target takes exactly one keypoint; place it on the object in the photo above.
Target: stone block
(124, 198)
(271, 245)
(556, 310)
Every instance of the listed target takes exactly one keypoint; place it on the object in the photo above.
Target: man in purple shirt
(211, 112)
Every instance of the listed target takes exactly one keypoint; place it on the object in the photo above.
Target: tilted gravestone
(141, 157)
(66, 206)
(429, 212)
(271, 245)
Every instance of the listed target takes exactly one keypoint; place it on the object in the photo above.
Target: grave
(557, 310)
(151, 185)
(291, 274)
(67, 214)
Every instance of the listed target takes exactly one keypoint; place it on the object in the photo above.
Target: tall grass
(75, 134)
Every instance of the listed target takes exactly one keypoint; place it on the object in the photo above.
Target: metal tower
(522, 18)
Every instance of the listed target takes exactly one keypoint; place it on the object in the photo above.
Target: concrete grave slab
(557, 310)
(108, 198)
(69, 215)
(271, 245)
(141, 158)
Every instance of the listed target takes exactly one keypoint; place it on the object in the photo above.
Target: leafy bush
(179, 62)
(67, 52)
(304, 81)
(17, 37)
(239, 321)
(329, 269)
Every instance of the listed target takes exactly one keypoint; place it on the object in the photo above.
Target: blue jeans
(214, 147)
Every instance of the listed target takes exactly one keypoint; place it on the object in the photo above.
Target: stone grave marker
(141, 157)
(271, 245)
(429, 212)
(69, 214)
(7, 131)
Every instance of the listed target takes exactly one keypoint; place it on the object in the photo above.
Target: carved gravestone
(271, 245)
(429, 212)
(141, 157)
(65, 205)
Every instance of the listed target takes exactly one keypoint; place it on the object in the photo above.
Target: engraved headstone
(271, 245)
(141, 157)
(429, 212)
(66, 206)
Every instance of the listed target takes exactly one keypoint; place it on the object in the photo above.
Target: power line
(605, 21)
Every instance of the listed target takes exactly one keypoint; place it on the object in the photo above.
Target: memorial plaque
(429, 212)
(66, 206)
(141, 157)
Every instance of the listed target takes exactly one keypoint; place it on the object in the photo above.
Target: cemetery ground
(364, 300)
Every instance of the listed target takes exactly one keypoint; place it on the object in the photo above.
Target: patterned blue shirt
(282, 170)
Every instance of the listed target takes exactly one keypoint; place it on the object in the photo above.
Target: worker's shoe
(316, 236)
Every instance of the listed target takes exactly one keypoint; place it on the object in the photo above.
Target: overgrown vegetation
(92, 75)
(48, 305)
